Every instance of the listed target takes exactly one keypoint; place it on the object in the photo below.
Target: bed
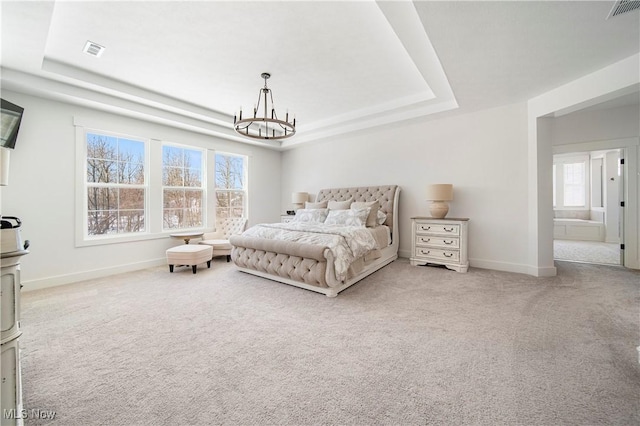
(311, 261)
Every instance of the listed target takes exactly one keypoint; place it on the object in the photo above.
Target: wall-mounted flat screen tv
(11, 116)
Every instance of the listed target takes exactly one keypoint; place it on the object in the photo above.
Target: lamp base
(439, 209)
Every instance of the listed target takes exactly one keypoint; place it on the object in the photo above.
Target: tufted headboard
(387, 195)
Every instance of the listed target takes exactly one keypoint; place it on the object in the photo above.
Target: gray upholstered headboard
(385, 194)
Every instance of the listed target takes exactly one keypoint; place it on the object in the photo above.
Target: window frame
(82, 199)
(153, 180)
(245, 183)
(202, 188)
(559, 162)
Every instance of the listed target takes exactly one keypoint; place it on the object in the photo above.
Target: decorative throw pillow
(381, 217)
(340, 205)
(320, 205)
(351, 217)
(311, 215)
(373, 214)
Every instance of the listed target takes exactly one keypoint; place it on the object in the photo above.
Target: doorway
(587, 190)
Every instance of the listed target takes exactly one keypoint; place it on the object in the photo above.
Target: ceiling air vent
(93, 49)
(623, 6)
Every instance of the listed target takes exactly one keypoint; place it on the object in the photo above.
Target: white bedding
(347, 243)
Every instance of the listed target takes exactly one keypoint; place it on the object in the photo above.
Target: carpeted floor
(406, 346)
(587, 251)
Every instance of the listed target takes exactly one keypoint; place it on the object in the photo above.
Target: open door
(621, 174)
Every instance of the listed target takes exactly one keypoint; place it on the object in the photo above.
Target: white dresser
(12, 409)
(440, 242)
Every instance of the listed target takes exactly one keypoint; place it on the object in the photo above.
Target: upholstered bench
(190, 255)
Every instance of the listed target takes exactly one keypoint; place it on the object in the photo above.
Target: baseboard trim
(105, 272)
(404, 253)
(89, 275)
(512, 267)
(518, 268)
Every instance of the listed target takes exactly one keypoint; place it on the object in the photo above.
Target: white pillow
(350, 217)
(311, 215)
(381, 217)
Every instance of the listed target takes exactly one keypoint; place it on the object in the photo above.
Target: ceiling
(337, 66)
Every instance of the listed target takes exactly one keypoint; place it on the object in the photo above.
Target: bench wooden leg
(208, 264)
(228, 258)
(170, 268)
(194, 268)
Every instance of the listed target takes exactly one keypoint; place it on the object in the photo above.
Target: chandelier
(268, 126)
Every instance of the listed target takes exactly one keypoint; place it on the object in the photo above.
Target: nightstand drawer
(438, 254)
(430, 240)
(437, 229)
(286, 218)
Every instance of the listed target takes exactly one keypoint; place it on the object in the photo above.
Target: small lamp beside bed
(298, 199)
(439, 194)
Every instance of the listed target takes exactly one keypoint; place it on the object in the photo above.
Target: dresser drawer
(437, 229)
(437, 241)
(438, 254)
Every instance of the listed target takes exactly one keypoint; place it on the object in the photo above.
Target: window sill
(99, 241)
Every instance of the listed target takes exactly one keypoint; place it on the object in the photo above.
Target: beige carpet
(406, 346)
(587, 251)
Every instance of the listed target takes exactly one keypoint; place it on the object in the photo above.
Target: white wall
(598, 125)
(484, 155)
(42, 187)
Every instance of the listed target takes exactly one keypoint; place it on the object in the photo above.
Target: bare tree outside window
(115, 185)
(183, 192)
(230, 186)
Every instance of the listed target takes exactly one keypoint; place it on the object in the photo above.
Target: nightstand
(440, 242)
(286, 218)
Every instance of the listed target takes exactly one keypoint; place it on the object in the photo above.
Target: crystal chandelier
(265, 127)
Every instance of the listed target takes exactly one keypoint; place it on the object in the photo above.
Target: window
(182, 187)
(574, 184)
(231, 190)
(131, 188)
(115, 184)
(571, 182)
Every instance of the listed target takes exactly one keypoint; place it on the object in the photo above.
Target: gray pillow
(372, 219)
(320, 205)
(340, 205)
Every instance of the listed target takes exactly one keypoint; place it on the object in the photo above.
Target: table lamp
(439, 194)
(298, 199)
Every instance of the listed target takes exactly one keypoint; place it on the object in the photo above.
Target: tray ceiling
(338, 66)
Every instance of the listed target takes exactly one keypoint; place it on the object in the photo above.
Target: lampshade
(299, 197)
(440, 192)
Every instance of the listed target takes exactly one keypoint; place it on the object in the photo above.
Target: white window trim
(559, 161)
(82, 238)
(153, 193)
(203, 188)
(245, 179)
(153, 182)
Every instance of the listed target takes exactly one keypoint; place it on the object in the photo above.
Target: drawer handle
(448, 254)
(447, 242)
(425, 240)
(425, 228)
(449, 230)
(425, 252)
